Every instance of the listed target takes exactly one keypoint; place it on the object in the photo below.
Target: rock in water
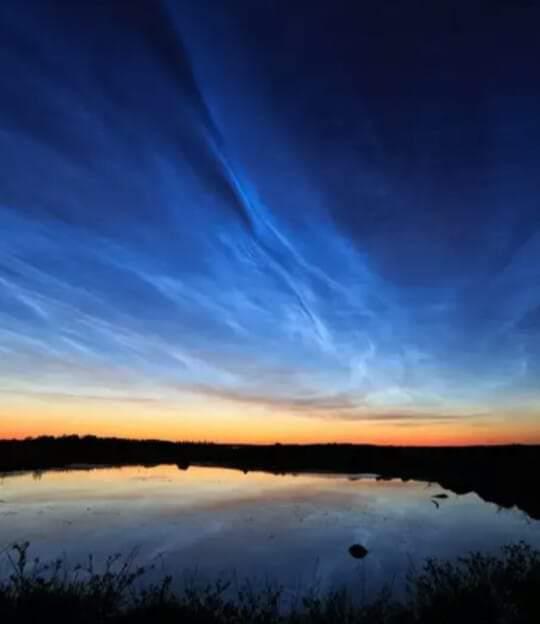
(358, 551)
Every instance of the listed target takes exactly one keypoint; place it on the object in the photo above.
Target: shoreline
(505, 475)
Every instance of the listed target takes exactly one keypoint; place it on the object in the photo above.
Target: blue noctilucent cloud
(321, 207)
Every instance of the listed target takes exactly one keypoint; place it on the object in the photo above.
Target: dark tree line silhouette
(506, 475)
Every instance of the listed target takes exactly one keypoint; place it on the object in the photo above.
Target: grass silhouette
(479, 588)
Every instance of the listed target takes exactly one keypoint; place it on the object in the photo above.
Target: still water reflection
(295, 530)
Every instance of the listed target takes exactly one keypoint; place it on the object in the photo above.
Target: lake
(296, 530)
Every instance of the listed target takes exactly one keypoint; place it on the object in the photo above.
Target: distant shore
(505, 475)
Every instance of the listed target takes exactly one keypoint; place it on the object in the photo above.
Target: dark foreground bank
(503, 589)
(506, 475)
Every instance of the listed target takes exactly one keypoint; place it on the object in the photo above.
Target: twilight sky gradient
(270, 220)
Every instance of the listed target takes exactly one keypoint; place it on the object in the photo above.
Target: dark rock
(357, 551)
(440, 496)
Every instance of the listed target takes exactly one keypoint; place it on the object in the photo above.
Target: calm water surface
(295, 530)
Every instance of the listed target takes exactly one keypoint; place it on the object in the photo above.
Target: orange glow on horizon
(243, 426)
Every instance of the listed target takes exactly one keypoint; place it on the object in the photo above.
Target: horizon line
(264, 444)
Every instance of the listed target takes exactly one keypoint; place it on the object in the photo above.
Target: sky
(261, 221)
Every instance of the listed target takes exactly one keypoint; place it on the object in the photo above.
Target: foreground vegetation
(503, 589)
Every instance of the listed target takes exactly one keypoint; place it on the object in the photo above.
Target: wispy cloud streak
(179, 217)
